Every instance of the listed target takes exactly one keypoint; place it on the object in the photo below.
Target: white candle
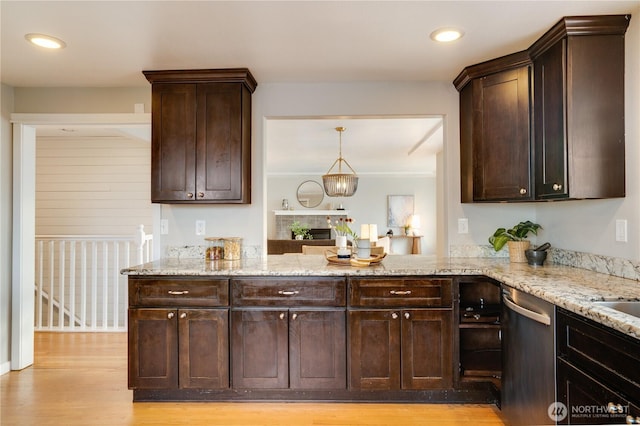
(373, 233)
(364, 231)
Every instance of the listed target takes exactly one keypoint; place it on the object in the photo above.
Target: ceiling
(109, 43)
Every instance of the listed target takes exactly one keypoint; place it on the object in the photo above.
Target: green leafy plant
(300, 230)
(518, 233)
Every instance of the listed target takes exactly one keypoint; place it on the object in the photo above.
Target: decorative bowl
(535, 257)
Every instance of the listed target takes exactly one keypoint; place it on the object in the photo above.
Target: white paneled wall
(92, 185)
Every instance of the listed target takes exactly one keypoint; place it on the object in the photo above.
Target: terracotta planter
(516, 250)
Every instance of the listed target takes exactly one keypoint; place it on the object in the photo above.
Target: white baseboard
(5, 367)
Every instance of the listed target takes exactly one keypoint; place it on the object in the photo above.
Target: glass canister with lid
(232, 248)
(215, 248)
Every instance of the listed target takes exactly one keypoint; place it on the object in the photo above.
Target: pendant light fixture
(340, 184)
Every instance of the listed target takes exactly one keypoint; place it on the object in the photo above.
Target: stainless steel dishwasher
(528, 347)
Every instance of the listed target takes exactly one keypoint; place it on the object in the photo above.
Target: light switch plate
(200, 227)
(621, 230)
(164, 226)
(463, 225)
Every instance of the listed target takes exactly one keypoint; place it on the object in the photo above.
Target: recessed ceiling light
(445, 35)
(46, 41)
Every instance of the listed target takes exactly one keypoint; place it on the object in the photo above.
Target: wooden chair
(384, 243)
(317, 249)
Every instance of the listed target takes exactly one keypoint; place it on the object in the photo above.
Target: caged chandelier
(340, 184)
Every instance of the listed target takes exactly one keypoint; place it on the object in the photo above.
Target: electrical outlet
(200, 227)
(621, 230)
(463, 225)
(164, 226)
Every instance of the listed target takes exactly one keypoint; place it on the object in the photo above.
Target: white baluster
(140, 240)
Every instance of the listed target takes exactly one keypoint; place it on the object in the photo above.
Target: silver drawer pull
(400, 292)
(178, 293)
(288, 292)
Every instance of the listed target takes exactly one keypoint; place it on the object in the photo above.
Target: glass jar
(232, 248)
(215, 249)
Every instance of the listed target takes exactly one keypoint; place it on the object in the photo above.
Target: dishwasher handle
(541, 318)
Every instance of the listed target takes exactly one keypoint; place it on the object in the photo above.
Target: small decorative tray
(332, 257)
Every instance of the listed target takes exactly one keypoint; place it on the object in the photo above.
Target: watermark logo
(557, 411)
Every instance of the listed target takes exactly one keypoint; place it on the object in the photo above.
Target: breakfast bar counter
(571, 288)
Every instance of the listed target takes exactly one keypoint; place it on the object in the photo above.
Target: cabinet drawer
(401, 292)
(178, 292)
(608, 355)
(287, 291)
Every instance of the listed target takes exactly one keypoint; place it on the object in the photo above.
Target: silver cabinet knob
(407, 315)
(183, 315)
(557, 187)
(170, 315)
(200, 194)
(523, 191)
(282, 315)
(394, 315)
(294, 316)
(189, 194)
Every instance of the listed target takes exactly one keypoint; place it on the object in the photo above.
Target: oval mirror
(310, 194)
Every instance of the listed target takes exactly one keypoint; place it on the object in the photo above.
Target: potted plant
(300, 230)
(515, 238)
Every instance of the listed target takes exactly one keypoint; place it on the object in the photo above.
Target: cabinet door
(501, 136)
(153, 349)
(549, 123)
(427, 349)
(173, 146)
(374, 353)
(589, 401)
(259, 349)
(204, 348)
(317, 349)
(223, 142)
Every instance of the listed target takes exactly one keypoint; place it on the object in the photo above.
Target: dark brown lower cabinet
(597, 372)
(288, 349)
(401, 349)
(178, 348)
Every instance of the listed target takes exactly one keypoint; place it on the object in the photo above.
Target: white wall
(92, 185)
(369, 203)
(6, 152)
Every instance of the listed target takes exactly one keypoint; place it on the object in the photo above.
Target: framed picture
(400, 209)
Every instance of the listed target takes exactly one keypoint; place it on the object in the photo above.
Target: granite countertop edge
(573, 289)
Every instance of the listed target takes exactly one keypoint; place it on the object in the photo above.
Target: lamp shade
(340, 184)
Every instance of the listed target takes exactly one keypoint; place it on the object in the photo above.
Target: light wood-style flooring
(81, 379)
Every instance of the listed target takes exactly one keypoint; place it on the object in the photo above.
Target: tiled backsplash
(283, 222)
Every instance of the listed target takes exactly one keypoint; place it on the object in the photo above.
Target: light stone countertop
(571, 288)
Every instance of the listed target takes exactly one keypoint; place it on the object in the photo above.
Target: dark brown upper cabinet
(579, 108)
(495, 142)
(548, 122)
(201, 136)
